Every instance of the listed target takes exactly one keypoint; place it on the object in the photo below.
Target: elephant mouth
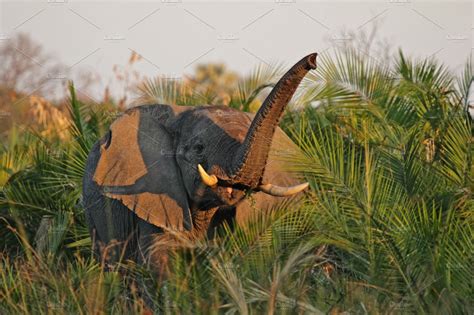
(248, 164)
(220, 195)
(231, 195)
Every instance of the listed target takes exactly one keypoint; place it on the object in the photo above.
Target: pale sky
(174, 36)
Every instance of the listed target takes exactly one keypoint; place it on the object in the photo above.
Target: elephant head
(165, 162)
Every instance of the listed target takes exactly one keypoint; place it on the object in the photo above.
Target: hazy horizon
(173, 36)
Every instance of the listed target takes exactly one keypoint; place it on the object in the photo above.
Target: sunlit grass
(387, 226)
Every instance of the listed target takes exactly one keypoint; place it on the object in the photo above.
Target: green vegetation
(387, 226)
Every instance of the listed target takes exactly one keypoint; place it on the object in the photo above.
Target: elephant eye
(198, 148)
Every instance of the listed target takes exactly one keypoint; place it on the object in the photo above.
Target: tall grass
(387, 226)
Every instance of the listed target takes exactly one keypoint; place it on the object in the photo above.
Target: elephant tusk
(209, 180)
(279, 191)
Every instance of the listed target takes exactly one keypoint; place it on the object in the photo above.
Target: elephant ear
(137, 167)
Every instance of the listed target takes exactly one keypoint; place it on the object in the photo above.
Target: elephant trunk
(249, 162)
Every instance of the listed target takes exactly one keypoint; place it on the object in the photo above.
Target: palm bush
(46, 177)
(386, 227)
(389, 156)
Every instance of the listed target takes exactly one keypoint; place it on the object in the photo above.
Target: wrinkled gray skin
(232, 145)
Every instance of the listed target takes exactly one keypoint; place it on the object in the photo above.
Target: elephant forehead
(234, 123)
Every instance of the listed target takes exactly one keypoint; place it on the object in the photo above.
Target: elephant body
(164, 173)
(115, 222)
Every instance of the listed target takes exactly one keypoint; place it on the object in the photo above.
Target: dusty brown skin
(164, 172)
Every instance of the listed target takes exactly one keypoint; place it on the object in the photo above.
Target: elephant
(166, 171)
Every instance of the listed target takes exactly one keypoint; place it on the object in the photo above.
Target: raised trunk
(249, 162)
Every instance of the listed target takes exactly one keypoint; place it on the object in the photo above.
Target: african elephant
(178, 170)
